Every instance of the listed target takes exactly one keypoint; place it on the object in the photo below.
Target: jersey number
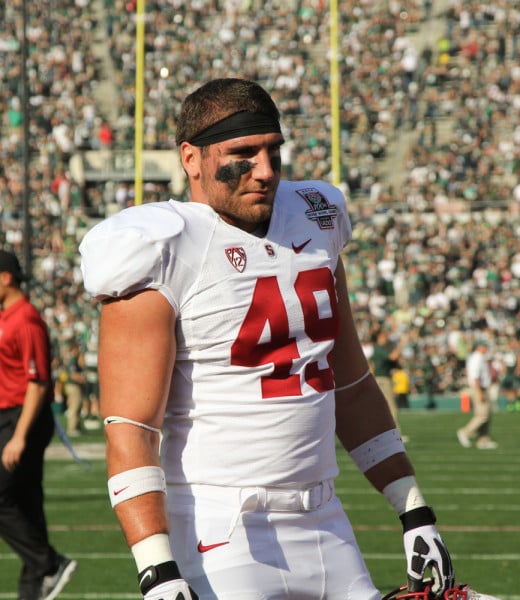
(268, 308)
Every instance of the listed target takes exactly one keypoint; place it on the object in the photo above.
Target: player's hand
(425, 552)
(170, 590)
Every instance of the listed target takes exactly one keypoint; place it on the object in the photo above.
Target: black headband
(236, 125)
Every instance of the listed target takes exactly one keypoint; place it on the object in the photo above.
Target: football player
(228, 363)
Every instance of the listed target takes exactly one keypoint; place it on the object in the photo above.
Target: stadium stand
(430, 141)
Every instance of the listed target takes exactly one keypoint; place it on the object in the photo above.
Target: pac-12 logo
(237, 257)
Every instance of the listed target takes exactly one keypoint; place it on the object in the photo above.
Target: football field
(475, 493)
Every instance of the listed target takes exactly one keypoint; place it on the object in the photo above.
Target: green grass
(475, 493)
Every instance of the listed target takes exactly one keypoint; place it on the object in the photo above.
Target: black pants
(22, 518)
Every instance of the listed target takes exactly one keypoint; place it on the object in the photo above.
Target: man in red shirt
(26, 428)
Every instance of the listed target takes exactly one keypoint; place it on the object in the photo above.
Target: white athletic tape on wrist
(404, 494)
(354, 383)
(153, 550)
(377, 449)
(115, 420)
(136, 482)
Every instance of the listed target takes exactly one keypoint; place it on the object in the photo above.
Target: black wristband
(417, 517)
(156, 574)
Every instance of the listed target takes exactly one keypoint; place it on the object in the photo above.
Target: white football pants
(266, 544)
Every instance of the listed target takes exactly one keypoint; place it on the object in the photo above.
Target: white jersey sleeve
(129, 251)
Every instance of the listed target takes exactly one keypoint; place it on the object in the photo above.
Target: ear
(191, 159)
(6, 278)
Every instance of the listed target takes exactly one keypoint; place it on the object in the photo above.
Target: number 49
(268, 308)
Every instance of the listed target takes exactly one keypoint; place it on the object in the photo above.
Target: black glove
(424, 550)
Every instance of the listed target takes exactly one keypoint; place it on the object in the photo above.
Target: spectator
(105, 136)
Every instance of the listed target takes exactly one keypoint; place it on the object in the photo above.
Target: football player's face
(239, 177)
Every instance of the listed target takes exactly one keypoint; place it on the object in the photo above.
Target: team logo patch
(320, 210)
(237, 257)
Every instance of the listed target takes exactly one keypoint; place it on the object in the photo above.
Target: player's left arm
(361, 408)
(369, 433)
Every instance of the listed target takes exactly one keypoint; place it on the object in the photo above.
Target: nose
(266, 166)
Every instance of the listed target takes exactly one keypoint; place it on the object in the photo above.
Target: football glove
(425, 551)
(164, 582)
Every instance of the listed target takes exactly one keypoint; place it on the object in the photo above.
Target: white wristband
(136, 482)
(377, 449)
(153, 550)
(404, 494)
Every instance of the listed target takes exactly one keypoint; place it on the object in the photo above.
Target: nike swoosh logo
(299, 248)
(148, 574)
(202, 548)
(117, 492)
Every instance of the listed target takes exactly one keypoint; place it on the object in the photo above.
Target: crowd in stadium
(435, 260)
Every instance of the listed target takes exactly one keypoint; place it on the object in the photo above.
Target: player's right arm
(136, 357)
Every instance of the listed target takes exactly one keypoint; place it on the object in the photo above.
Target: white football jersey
(251, 399)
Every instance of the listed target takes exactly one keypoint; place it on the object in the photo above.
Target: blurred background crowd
(430, 151)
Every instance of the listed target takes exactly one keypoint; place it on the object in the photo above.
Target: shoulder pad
(126, 252)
